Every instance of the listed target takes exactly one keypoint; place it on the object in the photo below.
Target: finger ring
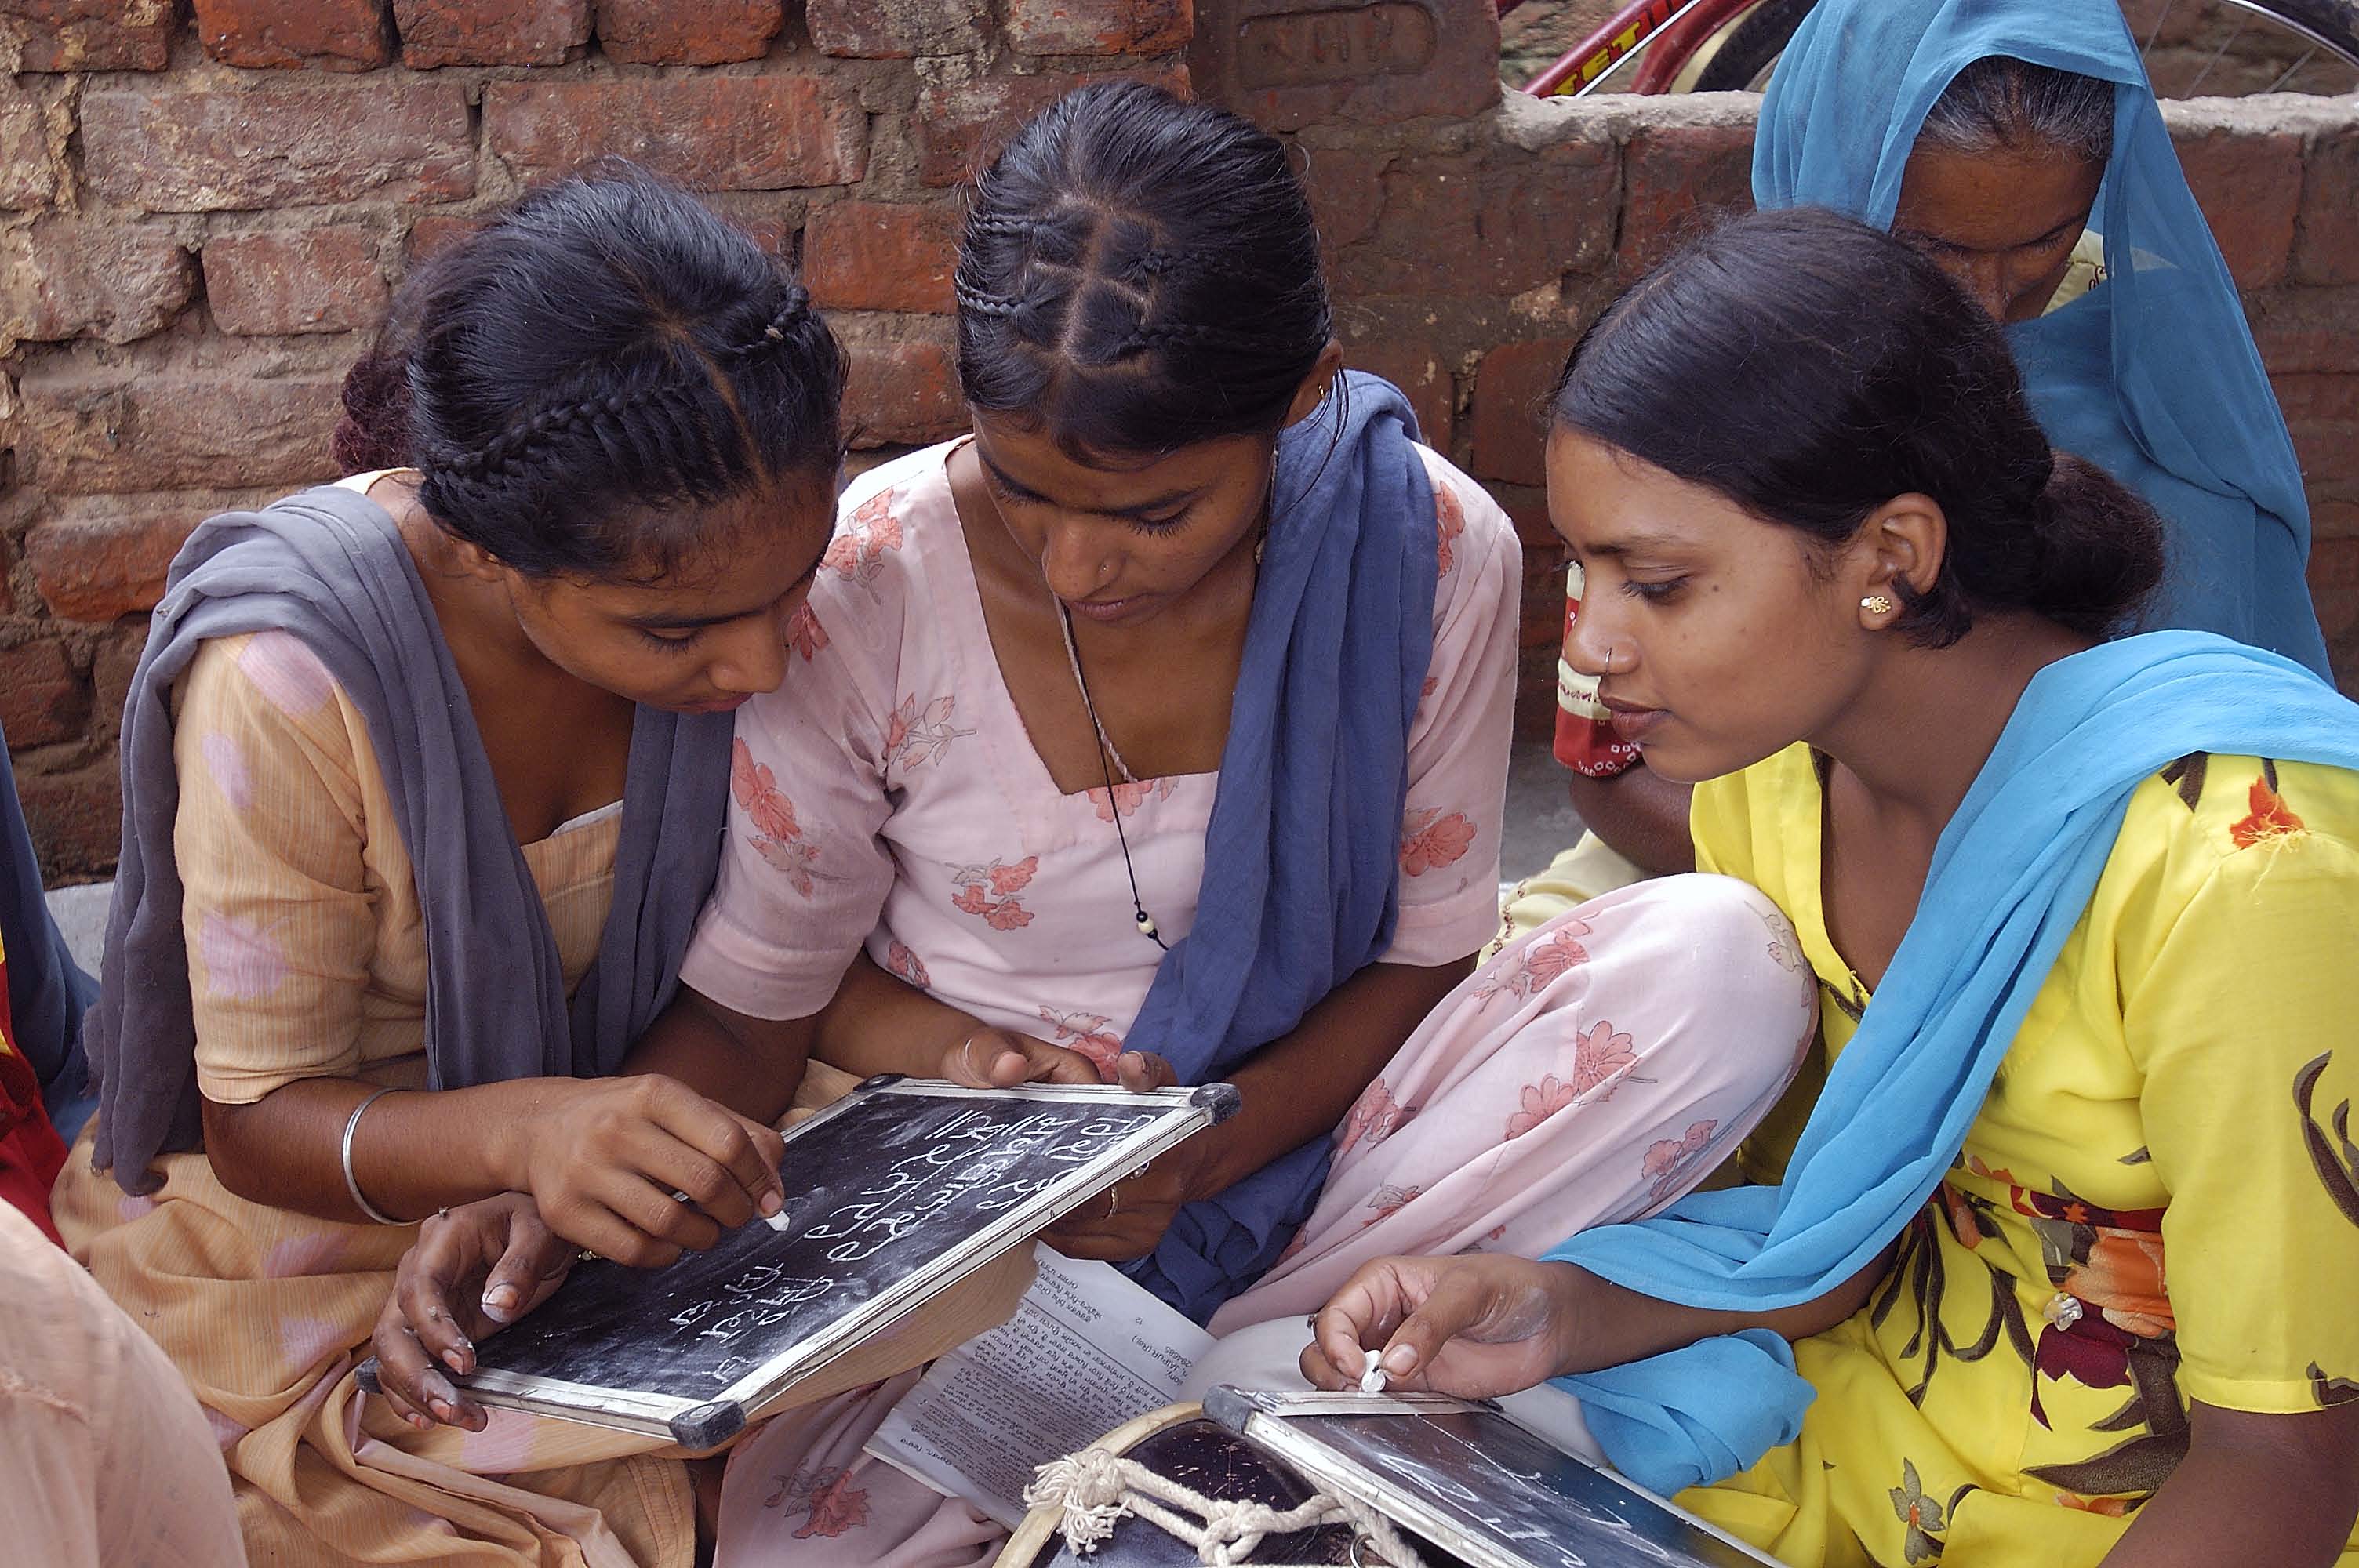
(587, 1255)
(1311, 1322)
(441, 1214)
(1113, 1200)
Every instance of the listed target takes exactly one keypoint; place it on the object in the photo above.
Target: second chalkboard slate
(894, 1193)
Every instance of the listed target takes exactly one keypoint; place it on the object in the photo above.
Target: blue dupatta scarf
(1303, 854)
(2153, 375)
(2011, 877)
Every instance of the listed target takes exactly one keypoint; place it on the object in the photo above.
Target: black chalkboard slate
(894, 1192)
(1469, 1480)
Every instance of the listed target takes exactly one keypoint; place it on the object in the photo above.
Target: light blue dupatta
(2153, 375)
(2010, 879)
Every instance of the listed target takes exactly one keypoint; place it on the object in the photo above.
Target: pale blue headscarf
(2010, 879)
(2152, 375)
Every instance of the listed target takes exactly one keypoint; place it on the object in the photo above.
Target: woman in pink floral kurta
(890, 800)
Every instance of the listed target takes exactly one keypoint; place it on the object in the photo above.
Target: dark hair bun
(373, 431)
(1810, 368)
(2099, 546)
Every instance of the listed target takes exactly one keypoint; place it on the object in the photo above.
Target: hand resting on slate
(893, 1194)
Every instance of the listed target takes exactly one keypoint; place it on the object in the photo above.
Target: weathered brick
(1347, 194)
(295, 280)
(432, 233)
(111, 668)
(2323, 412)
(876, 255)
(43, 698)
(205, 149)
(98, 558)
(1511, 388)
(724, 133)
(327, 35)
(93, 35)
(2249, 187)
(897, 29)
(902, 389)
(1286, 64)
(66, 277)
(1496, 224)
(2334, 588)
(1416, 369)
(490, 32)
(76, 819)
(1099, 27)
(30, 145)
(2326, 236)
(1677, 177)
(2306, 329)
(961, 125)
(86, 429)
(688, 32)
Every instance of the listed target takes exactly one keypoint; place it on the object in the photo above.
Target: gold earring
(1877, 604)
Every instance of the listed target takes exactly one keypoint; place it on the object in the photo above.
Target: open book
(1087, 1351)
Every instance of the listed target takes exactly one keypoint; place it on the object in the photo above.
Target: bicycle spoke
(2294, 70)
(2155, 32)
(2234, 35)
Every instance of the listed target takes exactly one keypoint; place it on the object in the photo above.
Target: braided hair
(1138, 274)
(605, 354)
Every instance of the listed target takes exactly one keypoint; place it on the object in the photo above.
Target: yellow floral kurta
(2016, 1387)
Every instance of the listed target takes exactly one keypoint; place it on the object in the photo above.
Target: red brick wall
(202, 212)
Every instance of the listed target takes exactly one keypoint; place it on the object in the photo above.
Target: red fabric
(1584, 742)
(31, 1154)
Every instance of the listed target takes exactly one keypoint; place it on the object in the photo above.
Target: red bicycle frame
(1676, 28)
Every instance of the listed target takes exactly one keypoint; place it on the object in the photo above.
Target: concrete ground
(1540, 821)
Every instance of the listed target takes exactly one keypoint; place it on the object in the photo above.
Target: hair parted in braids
(603, 352)
(1139, 274)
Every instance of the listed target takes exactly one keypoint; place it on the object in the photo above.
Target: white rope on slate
(1097, 1488)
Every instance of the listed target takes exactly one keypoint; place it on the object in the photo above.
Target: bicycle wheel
(2182, 60)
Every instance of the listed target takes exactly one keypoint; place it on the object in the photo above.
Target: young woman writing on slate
(2082, 915)
(424, 778)
(1159, 729)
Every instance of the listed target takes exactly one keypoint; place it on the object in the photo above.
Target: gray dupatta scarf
(328, 566)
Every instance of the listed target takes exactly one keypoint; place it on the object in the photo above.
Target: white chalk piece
(1372, 1375)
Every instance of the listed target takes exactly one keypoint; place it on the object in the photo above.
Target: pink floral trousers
(1595, 1070)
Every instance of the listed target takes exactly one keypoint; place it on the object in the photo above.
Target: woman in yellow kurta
(2087, 967)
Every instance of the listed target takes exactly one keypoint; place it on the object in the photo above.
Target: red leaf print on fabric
(792, 856)
(915, 735)
(1127, 798)
(900, 961)
(1449, 523)
(1667, 1159)
(1544, 960)
(756, 789)
(833, 1504)
(1600, 1057)
(1538, 1102)
(805, 635)
(1430, 840)
(1374, 1116)
(857, 551)
(977, 884)
(2271, 818)
(1086, 1032)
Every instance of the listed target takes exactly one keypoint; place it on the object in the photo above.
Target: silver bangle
(351, 1183)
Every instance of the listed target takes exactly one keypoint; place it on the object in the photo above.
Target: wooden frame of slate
(894, 1193)
(1466, 1477)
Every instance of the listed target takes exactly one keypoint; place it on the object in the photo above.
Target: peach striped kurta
(308, 958)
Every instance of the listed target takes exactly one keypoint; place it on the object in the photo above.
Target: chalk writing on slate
(892, 1195)
(1479, 1486)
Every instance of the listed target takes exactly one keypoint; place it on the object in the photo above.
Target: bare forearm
(2280, 1489)
(1640, 815)
(1618, 1325)
(413, 1152)
(753, 1065)
(880, 1023)
(1301, 1086)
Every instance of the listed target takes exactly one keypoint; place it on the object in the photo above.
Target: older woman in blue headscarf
(2018, 145)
